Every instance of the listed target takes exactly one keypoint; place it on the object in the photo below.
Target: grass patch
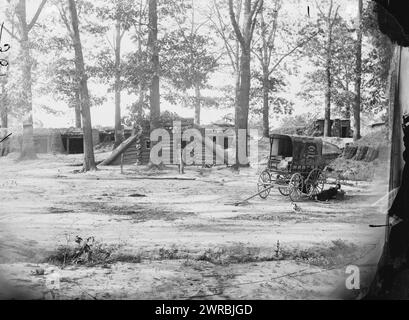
(338, 252)
(90, 253)
(327, 255)
(237, 254)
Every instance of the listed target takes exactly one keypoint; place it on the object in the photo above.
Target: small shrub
(89, 252)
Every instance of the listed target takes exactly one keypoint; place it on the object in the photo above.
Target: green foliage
(126, 12)
(342, 64)
(301, 124)
(137, 71)
(278, 103)
(64, 85)
(376, 65)
(186, 60)
(376, 57)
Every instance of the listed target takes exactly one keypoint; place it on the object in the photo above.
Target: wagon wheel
(295, 187)
(315, 182)
(282, 180)
(264, 181)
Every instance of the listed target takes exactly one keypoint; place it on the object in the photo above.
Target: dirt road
(177, 239)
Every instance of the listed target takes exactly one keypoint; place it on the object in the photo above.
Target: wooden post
(181, 163)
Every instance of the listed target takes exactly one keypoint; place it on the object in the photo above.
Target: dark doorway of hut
(73, 145)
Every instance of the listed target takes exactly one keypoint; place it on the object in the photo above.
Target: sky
(103, 115)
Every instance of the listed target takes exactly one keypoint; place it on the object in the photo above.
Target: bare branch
(318, 7)
(200, 25)
(37, 14)
(220, 30)
(335, 17)
(122, 34)
(64, 18)
(258, 6)
(11, 33)
(229, 49)
(291, 51)
(260, 57)
(236, 27)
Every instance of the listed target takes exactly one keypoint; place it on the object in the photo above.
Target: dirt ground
(179, 239)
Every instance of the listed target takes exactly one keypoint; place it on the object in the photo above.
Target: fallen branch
(254, 195)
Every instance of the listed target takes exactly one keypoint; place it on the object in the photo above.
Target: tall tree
(358, 74)
(331, 18)
(89, 159)
(321, 50)
(244, 36)
(61, 74)
(123, 14)
(187, 62)
(24, 27)
(62, 80)
(188, 56)
(154, 95)
(219, 20)
(266, 50)
(271, 30)
(341, 69)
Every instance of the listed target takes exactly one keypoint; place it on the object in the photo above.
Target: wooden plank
(123, 147)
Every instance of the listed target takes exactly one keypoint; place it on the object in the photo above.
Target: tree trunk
(118, 125)
(236, 109)
(265, 63)
(327, 115)
(242, 105)
(154, 97)
(266, 125)
(358, 75)
(237, 88)
(77, 108)
(89, 160)
(197, 105)
(141, 88)
(348, 106)
(27, 150)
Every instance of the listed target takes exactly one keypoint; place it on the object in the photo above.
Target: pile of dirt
(376, 139)
(372, 146)
(348, 169)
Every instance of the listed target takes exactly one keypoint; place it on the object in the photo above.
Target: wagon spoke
(264, 181)
(295, 187)
(315, 182)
